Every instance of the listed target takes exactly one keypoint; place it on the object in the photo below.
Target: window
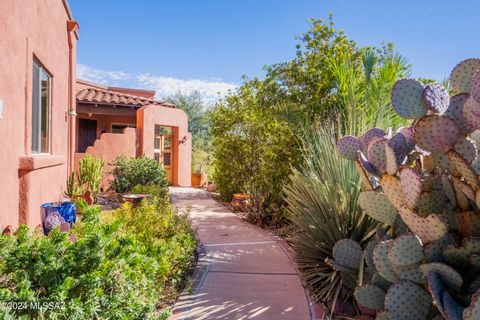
(40, 110)
(118, 128)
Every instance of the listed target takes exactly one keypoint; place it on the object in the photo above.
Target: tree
(196, 110)
(255, 128)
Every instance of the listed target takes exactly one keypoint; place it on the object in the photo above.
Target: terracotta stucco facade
(40, 30)
(150, 115)
(45, 32)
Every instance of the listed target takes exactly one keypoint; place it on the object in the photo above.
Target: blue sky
(208, 45)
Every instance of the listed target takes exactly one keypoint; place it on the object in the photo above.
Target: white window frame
(36, 130)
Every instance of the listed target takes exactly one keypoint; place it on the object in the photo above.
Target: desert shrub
(322, 206)
(130, 172)
(122, 268)
(253, 151)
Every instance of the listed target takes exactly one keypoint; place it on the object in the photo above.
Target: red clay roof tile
(104, 96)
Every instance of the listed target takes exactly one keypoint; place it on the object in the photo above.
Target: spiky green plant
(322, 205)
(90, 173)
(73, 187)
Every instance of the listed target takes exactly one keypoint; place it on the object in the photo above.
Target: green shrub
(129, 172)
(120, 267)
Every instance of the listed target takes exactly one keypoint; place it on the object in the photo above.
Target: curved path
(243, 272)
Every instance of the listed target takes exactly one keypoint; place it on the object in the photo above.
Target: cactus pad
(340, 268)
(461, 255)
(407, 132)
(399, 144)
(433, 251)
(477, 198)
(462, 75)
(436, 288)
(461, 199)
(391, 160)
(467, 191)
(367, 165)
(376, 153)
(473, 310)
(393, 190)
(475, 260)
(471, 114)
(369, 135)
(382, 263)
(475, 87)
(381, 282)
(436, 98)
(436, 133)
(377, 206)
(455, 111)
(348, 146)
(407, 99)
(465, 169)
(442, 161)
(406, 300)
(368, 254)
(450, 277)
(468, 223)
(410, 272)
(370, 296)
(348, 253)
(451, 309)
(427, 229)
(366, 184)
(449, 190)
(431, 202)
(405, 250)
(467, 149)
(411, 183)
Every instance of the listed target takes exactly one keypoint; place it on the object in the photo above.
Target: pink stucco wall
(151, 115)
(109, 147)
(28, 29)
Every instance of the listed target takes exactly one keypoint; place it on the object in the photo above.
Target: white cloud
(210, 90)
(112, 78)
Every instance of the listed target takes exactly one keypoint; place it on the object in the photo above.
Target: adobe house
(115, 121)
(44, 132)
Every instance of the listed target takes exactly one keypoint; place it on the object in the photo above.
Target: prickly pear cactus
(423, 183)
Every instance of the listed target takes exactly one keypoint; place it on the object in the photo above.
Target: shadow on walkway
(243, 272)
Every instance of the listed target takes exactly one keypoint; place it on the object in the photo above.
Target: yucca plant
(322, 205)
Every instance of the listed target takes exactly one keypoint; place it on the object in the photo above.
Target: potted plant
(200, 161)
(199, 177)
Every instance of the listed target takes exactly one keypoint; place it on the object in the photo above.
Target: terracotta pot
(199, 179)
(211, 187)
(241, 196)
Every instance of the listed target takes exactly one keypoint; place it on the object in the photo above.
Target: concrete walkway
(243, 271)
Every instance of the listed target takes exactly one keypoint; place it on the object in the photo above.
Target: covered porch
(119, 121)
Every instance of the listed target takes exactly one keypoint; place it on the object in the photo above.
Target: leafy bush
(322, 206)
(255, 129)
(123, 265)
(254, 150)
(129, 172)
